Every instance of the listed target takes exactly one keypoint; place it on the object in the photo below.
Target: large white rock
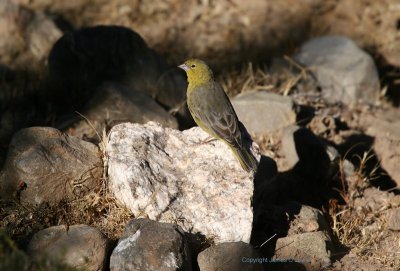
(174, 176)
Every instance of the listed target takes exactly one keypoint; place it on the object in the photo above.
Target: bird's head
(197, 71)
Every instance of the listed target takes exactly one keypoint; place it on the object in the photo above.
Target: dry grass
(99, 208)
(257, 78)
(246, 79)
(360, 228)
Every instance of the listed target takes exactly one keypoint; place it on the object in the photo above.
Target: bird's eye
(193, 66)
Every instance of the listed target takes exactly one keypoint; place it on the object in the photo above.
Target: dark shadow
(310, 182)
(304, 115)
(267, 169)
(22, 104)
(354, 148)
(278, 197)
(389, 76)
(197, 243)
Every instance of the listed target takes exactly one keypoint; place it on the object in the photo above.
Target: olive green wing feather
(210, 105)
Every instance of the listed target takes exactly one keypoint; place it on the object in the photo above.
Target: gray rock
(44, 165)
(311, 250)
(149, 245)
(230, 256)
(77, 246)
(178, 177)
(304, 152)
(262, 112)
(113, 104)
(345, 73)
(394, 219)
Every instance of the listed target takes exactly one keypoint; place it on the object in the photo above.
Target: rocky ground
(102, 169)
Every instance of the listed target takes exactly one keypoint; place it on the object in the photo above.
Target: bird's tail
(246, 159)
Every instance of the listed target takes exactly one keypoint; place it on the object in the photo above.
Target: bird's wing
(216, 113)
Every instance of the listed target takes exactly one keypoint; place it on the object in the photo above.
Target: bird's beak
(184, 67)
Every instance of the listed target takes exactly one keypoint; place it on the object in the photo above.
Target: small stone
(345, 73)
(45, 165)
(333, 153)
(312, 250)
(230, 256)
(149, 245)
(262, 112)
(394, 219)
(78, 246)
(179, 177)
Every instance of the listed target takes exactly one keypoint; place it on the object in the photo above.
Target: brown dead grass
(246, 79)
(258, 78)
(360, 228)
(99, 208)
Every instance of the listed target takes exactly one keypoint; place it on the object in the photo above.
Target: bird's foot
(206, 140)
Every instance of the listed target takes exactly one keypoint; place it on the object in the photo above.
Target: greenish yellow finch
(213, 112)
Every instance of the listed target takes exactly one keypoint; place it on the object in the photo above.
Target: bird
(212, 111)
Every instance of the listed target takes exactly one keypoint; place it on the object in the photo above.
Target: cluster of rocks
(195, 207)
(182, 28)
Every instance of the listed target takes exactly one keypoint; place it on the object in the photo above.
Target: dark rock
(83, 59)
(77, 246)
(150, 245)
(311, 250)
(230, 256)
(113, 104)
(44, 165)
(262, 112)
(304, 152)
(345, 73)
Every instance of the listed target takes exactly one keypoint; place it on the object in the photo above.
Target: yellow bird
(213, 112)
